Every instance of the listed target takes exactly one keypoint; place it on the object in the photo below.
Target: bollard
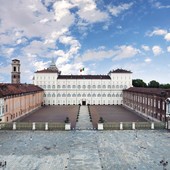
(152, 125)
(67, 126)
(14, 126)
(100, 126)
(46, 126)
(33, 126)
(133, 125)
(121, 126)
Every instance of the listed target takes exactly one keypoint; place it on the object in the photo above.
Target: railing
(32, 126)
(133, 125)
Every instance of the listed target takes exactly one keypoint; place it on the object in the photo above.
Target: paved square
(82, 150)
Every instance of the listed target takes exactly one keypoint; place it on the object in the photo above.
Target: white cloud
(124, 51)
(116, 10)
(158, 32)
(167, 37)
(145, 47)
(168, 49)
(40, 65)
(148, 60)
(156, 50)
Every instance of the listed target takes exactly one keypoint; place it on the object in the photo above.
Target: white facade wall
(76, 91)
(1, 108)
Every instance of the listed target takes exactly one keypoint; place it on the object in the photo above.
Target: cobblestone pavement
(84, 149)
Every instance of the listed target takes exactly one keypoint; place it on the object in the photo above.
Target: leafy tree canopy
(153, 84)
(138, 83)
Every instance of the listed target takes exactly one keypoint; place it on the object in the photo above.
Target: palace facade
(82, 89)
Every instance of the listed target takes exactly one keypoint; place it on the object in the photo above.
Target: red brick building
(153, 102)
(17, 100)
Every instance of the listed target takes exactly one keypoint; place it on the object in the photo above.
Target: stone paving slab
(79, 150)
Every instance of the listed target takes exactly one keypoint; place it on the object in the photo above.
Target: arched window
(99, 95)
(109, 86)
(88, 86)
(117, 95)
(79, 95)
(125, 86)
(104, 86)
(121, 95)
(49, 87)
(53, 87)
(108, 95)
(84, 86)
(94, 86)
(113, 86)
(89, 95)
(78, 86)
(58, 95)
(94, 95)
(84, 95)
(63, 86)
(63, 95)
(44, 86)
(49, 95)
(113, 95)
(73, 95)
(68, 95)
(103, 95)
(117, 86)
(69, 87)
(53, 95)
(99, 86)
(73, 86)
(44, 95)
(58, 86)
(121, 86)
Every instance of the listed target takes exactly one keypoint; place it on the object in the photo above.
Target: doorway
(83, 102)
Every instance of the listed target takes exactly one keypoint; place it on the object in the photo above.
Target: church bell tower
(15, 74)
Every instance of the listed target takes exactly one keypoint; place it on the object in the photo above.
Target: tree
(164, 86)
(153, 84)
(138, 83)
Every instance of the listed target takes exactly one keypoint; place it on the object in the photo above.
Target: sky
(98, 35)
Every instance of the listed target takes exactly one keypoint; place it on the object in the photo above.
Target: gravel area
(82, 150)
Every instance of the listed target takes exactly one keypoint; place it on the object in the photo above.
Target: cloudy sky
(99, 35)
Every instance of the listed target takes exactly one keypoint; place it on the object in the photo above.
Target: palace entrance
(84, 102)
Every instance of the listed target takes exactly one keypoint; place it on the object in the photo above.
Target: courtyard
(83, 149)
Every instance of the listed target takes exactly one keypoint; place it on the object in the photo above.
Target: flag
(82, 69)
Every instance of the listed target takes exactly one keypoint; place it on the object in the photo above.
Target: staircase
(84, 119)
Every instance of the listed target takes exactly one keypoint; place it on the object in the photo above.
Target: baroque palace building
(82, 89)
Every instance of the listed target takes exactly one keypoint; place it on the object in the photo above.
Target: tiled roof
(15, 89)
(47, 71)
(84, 77)
(120, 71)
(152, 91)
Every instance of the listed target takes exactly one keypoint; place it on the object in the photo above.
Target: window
(117, 95)
(6, 108)
(99, 95)
(89, 95)
(44, 95)
(84, 95)
(53, 95)
(78, 86)
(109, 86)
(109, 95)
(121, 86)
(121, 95)
(14, 68)
(44, 86)
(68, 95)
(84, 86)
(104, 86)
(103, 95)
(158, 104)
(94, 95)
(53, 87)
(73, 86)
(69, 87)
(73, 95)
(113, 86)
(79, 95)
(99, 86)
(58, 95)
(88, 86)
(125, 86)
(63, 95)
(63, 86)
(117, 86)
(94, 86)
(49, 95)
(49, 87)
(58, 86)
(163, 105)
(113, 95)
